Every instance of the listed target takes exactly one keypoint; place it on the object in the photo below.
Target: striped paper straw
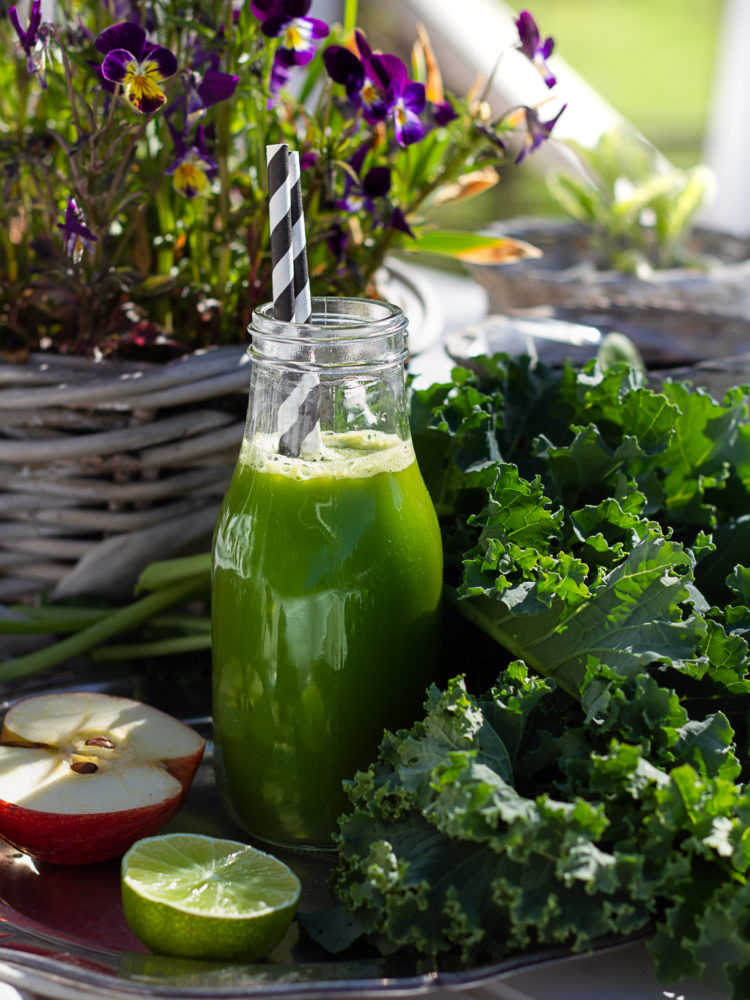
(302, 304)
(298, 414)
(299, 417)
(280, 217)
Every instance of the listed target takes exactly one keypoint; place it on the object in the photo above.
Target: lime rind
(197, 896)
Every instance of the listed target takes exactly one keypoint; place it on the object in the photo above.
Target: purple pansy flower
(28, 36)
(366, 83)
(281, 73)
(404, 98)
(77, 236)
(369, 193)
(33, 39)
(361, 194)
(201, 92)
(288, 20)
(397, 220)
(343, 67)
(537, 131)
(379, 85)
(536, 51)
(214, 86)
(337, 240)
(192, 168)
(136, 64)
(441, 112)
(205, 84)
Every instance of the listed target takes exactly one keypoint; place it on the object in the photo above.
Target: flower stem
(350, 15)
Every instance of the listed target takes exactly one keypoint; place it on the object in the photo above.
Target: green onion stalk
(168, 584)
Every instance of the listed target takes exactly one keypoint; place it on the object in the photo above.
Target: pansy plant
(165, 211)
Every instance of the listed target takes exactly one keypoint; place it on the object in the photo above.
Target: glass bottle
(327, 572)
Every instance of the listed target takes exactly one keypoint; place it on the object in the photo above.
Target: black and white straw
(298, 415)
(302, 304)
(280, 219)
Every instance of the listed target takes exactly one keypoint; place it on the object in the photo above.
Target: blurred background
(675, 69)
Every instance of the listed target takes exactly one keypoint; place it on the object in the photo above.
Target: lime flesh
(202, 897)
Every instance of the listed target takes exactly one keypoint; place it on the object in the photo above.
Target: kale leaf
(596, 537)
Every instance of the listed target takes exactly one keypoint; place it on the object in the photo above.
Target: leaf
(472, 248)
(707, 745)
(546, 609)
(723, 571)
(478, 870)
(580, 199)
(469, 185)
(695, 187)
(643, 194)
(599, 785)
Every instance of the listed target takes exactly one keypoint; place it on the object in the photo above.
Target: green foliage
(165, 267)
(598, 787)
(638, 208)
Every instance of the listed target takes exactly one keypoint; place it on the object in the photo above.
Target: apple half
(84, 775)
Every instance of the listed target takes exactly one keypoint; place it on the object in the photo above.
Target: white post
(727, 146)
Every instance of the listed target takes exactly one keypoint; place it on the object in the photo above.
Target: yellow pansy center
(293, 36)
(141, 84)
(369, 93)
(190, 178)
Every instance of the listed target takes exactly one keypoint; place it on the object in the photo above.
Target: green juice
(325, 603)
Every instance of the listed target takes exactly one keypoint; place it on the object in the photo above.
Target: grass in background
(653, 60)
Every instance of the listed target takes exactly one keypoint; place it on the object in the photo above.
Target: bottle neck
(340, 374)
(343, 333)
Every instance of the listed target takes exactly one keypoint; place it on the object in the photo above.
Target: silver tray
(63, 933)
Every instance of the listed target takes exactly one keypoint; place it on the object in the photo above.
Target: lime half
(201, 897)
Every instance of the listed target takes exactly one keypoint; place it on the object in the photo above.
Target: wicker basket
(107, 466)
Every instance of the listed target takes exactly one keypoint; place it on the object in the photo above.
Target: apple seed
(99, 741)
(84, 767)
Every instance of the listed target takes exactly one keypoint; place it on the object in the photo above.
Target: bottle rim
(343, 332)
(332, 318)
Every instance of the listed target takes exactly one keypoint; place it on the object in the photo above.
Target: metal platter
(63, 933)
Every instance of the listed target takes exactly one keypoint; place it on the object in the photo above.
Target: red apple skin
(74, 839)
(184, 768)
(79, 839)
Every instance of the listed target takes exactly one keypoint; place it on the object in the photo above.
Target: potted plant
(135, 245)
(631, 257)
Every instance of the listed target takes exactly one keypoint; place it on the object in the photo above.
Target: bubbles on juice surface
(350, 455)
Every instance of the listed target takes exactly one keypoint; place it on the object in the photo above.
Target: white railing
(467, 38)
